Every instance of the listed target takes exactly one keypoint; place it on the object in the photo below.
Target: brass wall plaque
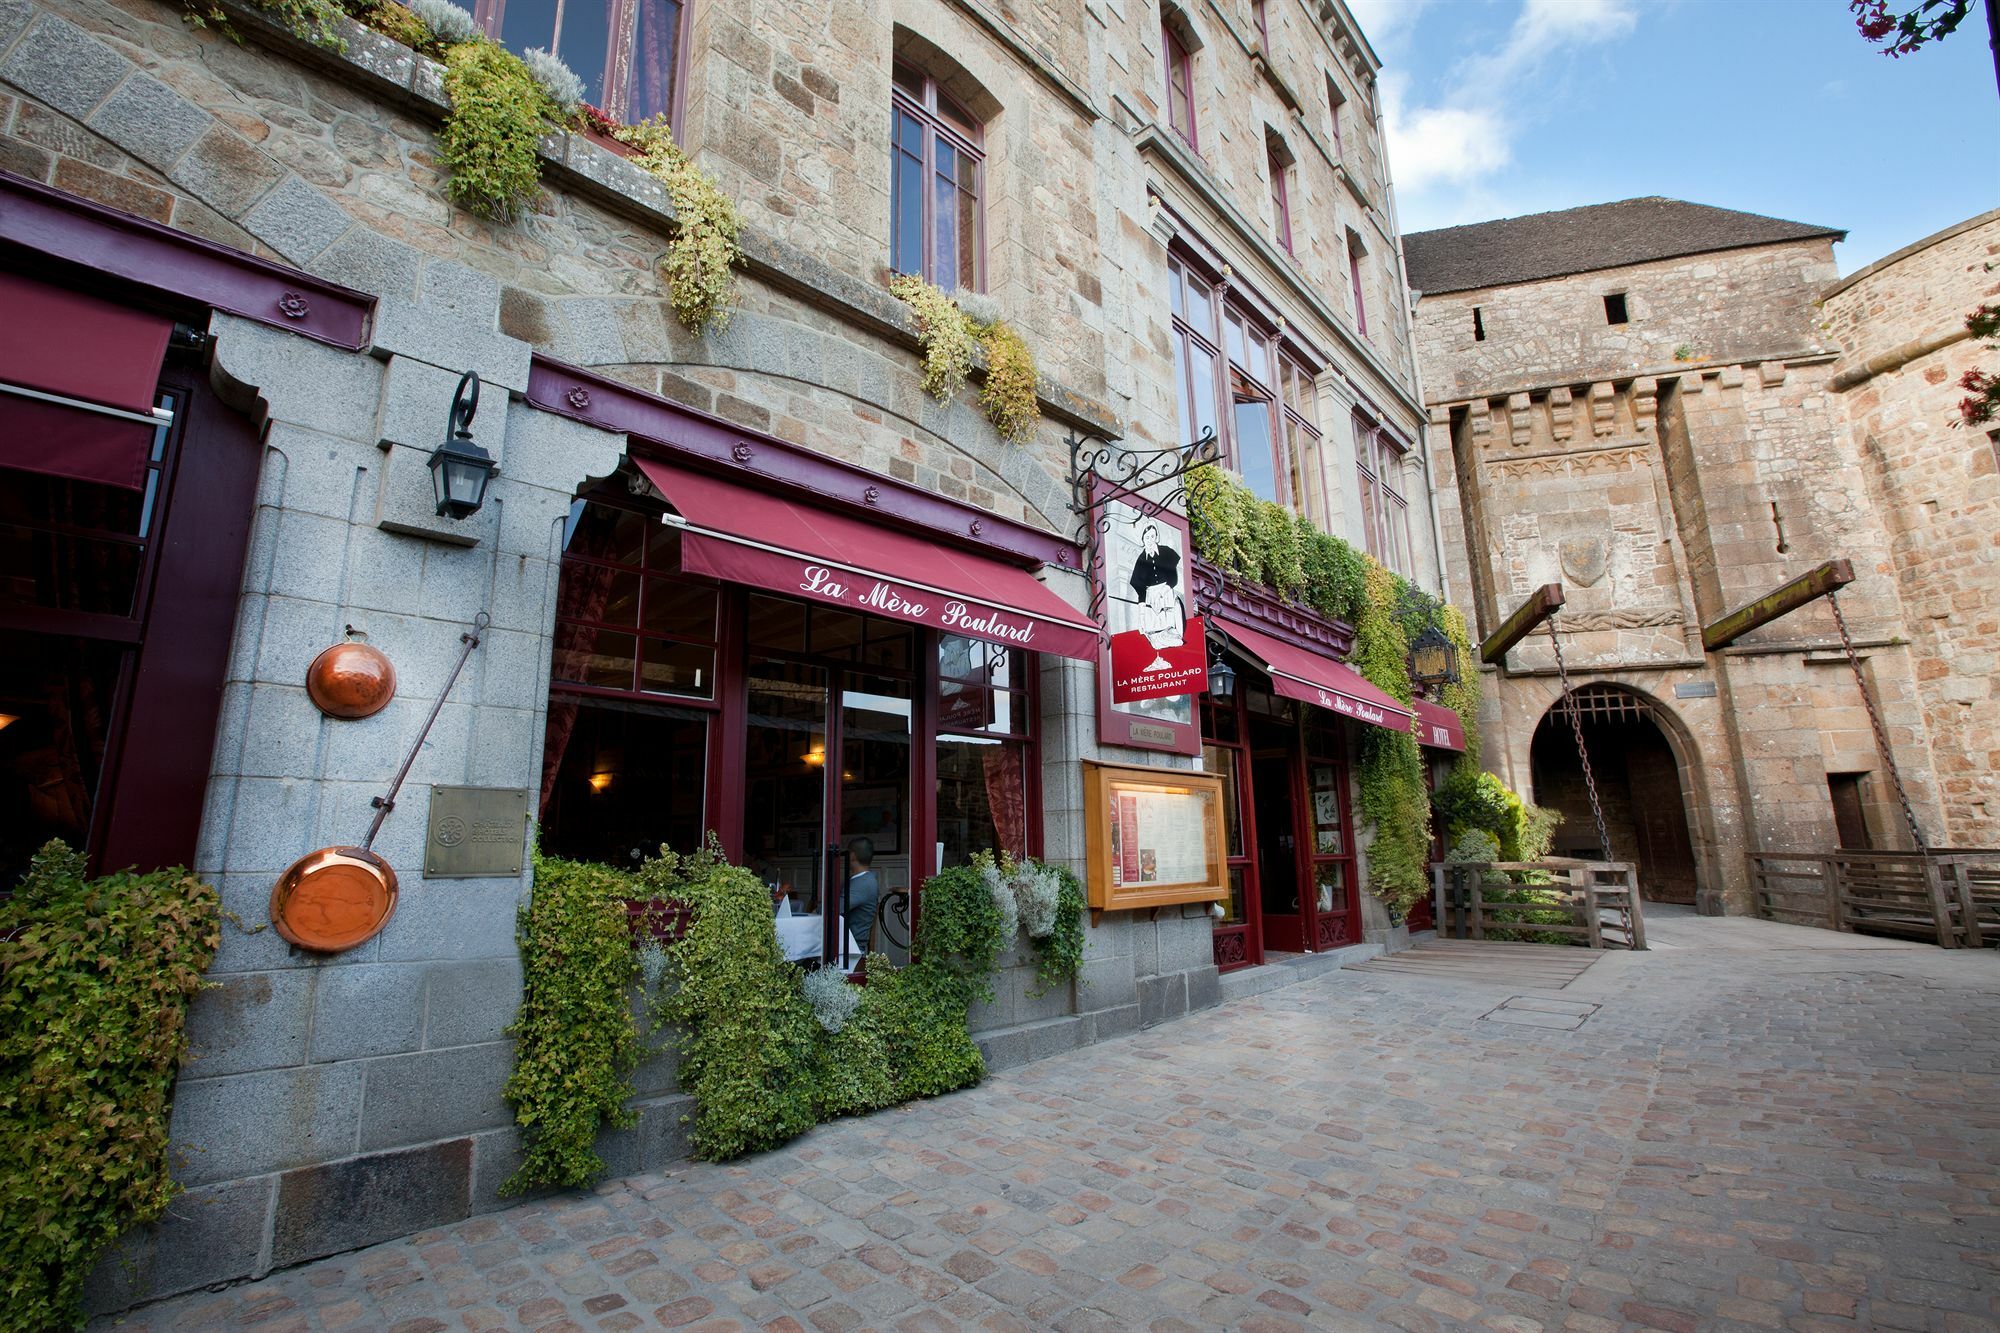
(476, 832)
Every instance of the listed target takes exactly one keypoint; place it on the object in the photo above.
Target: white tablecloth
(803, 937)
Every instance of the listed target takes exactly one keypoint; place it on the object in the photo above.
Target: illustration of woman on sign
(1156, 580)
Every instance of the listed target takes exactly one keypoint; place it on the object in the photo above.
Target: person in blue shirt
(862, 892)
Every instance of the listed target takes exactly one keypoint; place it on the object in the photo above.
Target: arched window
(935, 218)
(627, 52)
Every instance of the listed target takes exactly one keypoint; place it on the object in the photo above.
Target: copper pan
(338, 897)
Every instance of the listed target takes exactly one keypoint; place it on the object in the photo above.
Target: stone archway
(1642, 783)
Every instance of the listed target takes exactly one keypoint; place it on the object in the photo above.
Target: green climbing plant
(575, 1041)
(1268, 544)
(1392, 788)
(948, 338)
(95, 980)
(699, 267)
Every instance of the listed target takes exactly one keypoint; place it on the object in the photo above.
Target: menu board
(1154, 836)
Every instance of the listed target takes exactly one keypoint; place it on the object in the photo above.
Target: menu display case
(1153, 837)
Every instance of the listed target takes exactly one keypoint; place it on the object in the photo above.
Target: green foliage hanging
(1266, 543)
(95, 979)
(1393, 791)
(699, 266)
(575, 1041)
(947, 337)
(745, 1033)
(491, 141)
(959, 928)
(920, 1011)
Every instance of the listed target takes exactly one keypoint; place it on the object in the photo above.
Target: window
(1354, 253)
(1478, 326)
(1269, 432)
(1614, 308)
(1281, 206)
(1385, 514)
(1335, 104)
(984, 768)
(1180, 86)
(1263, 22)
(934, 185)
(627, 52)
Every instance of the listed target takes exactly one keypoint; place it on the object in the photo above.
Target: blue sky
(1503, 107)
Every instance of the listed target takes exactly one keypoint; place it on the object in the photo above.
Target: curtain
(1006, 796)
(580, 595)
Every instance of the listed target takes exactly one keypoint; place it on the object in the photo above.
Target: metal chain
(1582, 751)
(1875, 721)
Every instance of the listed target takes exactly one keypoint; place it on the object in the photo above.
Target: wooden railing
(1592, 903)
(1948, 896)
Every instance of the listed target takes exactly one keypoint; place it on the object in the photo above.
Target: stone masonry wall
(334, 1101)
(1899, 324)
(1666, 471)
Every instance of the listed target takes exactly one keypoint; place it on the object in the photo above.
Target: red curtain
(1007, 796)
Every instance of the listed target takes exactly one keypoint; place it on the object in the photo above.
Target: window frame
(1281, 199)
(1379, 459)
(935, 112)
(1263, 22)
(1354, 254)
(490, 15)
(1335, 100)
(1178, 60)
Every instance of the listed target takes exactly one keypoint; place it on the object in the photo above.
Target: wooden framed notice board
(1153, 836)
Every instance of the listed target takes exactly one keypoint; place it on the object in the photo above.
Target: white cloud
(1465, 137)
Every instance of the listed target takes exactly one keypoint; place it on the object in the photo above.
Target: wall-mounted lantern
(1221, 675)
(1433, 659)
(460, 469)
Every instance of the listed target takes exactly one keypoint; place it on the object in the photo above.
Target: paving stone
(1787, 1138)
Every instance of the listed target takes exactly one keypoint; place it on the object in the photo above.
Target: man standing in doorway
(862, 891)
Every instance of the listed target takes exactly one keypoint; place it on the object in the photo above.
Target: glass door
(1273, 764)
(876, 727)
(785, 795)
(1335, 918)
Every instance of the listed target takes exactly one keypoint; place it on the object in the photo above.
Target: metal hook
(463, 409)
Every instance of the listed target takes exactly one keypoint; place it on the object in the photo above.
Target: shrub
(832, 998)
(944, 332)
(920, 1010)
(853, 1069)
(491, 140)
(575, 1039)
(448, 23)
(698, 266)
(558, 80)
(95, 979)
(740, 1019)
(1008, 396)
(959, 928)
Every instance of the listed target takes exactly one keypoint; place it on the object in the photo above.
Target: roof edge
(1914, 247)
(1833, 232)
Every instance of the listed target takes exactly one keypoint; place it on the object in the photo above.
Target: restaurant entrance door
(828, 775)
(1273, 779)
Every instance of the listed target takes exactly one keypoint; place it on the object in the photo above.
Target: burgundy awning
(1438, 727)
(1299, 673)
(77, 376)
(740, 535)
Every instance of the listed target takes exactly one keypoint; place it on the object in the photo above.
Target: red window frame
(942, 126)
(1180, 87)
(1354, 253)
(620, 58)
(1281, 203)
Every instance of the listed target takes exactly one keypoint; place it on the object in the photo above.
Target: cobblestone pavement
(1761, 1127)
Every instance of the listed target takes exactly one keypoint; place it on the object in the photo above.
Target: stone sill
(386, 68)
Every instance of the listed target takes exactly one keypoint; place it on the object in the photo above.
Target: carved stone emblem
(1584, 558)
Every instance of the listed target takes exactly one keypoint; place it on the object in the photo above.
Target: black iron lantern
(1221, 675)
(460, 469)
(1433, 658)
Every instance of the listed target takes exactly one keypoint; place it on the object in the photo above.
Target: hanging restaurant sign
(1158, 650)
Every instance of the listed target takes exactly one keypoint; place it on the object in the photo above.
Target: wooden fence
(1949, 896)
(1593, 903)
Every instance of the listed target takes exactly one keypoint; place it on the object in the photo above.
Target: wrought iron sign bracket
(1152, 481)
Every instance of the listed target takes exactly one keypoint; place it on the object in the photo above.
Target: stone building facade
(283, 205)
(1654, 404)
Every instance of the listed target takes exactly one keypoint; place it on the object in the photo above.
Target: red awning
(1299, 673)
(740, 535)
(1438, 726)
(77, 377)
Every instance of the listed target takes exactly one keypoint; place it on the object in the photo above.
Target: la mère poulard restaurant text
(831, 670)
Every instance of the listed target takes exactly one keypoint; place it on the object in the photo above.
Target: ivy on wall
(699, 266)
(490, 143)
(575, 1042)
(1268, 544)
(947, 336)
(95, 979)
(1394, 794)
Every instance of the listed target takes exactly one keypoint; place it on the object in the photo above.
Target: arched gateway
(1642, 782)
